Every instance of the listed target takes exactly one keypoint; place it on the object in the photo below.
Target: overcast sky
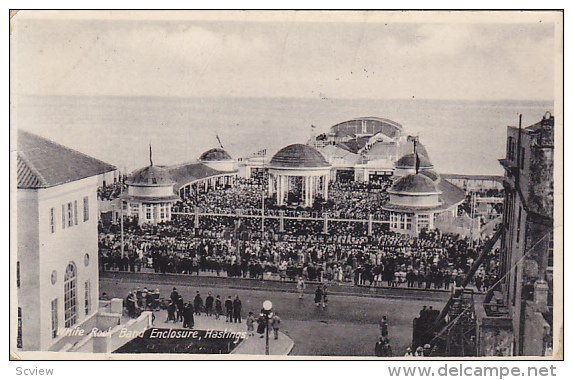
(288, 56)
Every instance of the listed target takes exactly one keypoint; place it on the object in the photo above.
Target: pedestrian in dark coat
(188, 319)
(180, 307)
(229, 309)
(384, 327)
(174, 295)
(198, 304)
(209, 304)
(318, 296)
(218, 307)
(171, 308)
(237, 305)
(261, 325)
(379, 347)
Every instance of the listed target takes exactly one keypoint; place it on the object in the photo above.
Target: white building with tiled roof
(57, 247)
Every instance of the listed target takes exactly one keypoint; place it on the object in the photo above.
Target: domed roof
(150, 176)
(215, 154)
(414, 183)
(299, 156)
(409, 161)
(431, 174)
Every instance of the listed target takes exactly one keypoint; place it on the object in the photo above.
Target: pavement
(272, 283)
(251, 345)
(347, 327)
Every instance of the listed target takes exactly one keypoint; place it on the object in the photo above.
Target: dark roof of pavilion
(191, 172)
(299, 156)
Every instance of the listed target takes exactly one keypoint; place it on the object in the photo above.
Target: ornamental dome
(414, 184)
(150, 176)
(215, 154)
(409, 161)
(299, 156)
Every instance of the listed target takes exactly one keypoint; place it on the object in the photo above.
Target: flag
(219, 140)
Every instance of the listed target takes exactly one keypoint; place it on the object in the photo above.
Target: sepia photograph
(239, 185)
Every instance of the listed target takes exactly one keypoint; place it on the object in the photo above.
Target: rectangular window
(162, 212)
(522, 158)
(63, 216)
(54, 318)
(19, 337)
(518, 232)
(148, 212)
(408, 222)
(86, 209)
(87, 297)
(423, 221)
(70, 215)
(550, 252)
(76, 213)
(52, 220)
(514, 285)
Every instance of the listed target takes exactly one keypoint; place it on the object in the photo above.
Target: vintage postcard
(286, 184)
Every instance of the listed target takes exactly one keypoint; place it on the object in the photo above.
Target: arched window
(70, 295)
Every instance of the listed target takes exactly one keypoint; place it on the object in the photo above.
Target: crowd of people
(347, 200)
(181, 311)
(223, 246)
(343, 252)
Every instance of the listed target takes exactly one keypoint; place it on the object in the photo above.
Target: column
(370, 225)
(286, 185)
(326, 180)
(281, 221)
(270, 185)
(280, 186)
(311, 195)
(196, 217)
(305, 190)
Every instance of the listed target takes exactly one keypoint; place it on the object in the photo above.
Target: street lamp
(267, 311)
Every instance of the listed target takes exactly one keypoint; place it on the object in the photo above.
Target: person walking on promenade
(218, 307)
(209, 304)
(188, 319)
(384, 327)
(229, 309)
(198, 304)
(174, 295)
(275, 324)
(171, 312)
(300, 286)
(251, 324)
(379, 347)
(318, 296)
(180, 306)
(261, 324)
(237, 306)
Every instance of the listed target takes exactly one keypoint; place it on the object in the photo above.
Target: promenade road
(347, 327)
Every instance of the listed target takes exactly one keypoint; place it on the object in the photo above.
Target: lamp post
(267, 311)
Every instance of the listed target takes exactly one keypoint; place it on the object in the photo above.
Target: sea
(462, 137)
